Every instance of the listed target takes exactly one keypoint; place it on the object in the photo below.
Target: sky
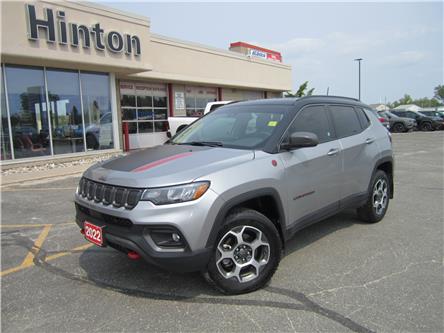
(401, 43)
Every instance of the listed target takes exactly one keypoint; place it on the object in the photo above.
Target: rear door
(313, 174)
(359, 148)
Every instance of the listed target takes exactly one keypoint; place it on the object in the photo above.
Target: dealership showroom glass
(74, 74)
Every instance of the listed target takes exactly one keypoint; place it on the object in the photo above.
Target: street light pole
(359, 77)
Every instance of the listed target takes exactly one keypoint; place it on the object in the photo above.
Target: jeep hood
(166, 165)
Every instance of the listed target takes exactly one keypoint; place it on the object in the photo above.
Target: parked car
(224, 195)
(382, 119)
(437, 114)
(176, 124)
(425, 123)
(398, 124)
(101, 134)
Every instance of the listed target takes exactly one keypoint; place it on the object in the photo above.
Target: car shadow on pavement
(111, 270)
(108, 267)
(312, 233)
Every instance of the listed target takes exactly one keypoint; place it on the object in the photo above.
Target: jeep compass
(225, 194)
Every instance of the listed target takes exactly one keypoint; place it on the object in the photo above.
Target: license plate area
(93, 233)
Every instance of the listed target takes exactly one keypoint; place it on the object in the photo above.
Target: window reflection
(97, 111)
(5, 147)
(27, 108)
(196, 99)
(66, 111)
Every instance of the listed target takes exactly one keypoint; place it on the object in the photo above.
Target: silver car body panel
(306, 179)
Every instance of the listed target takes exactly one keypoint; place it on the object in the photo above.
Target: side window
(345, 120)
(313, 119)
(214, 107)
(363, 119)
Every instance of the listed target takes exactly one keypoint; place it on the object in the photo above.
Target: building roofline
(102, 8)
(212, 49)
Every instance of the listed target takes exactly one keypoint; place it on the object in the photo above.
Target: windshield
(237, 126)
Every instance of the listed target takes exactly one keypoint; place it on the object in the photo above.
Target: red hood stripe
(160, 162)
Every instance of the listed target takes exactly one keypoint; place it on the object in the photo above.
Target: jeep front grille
(109, 195)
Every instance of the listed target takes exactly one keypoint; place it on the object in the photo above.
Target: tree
(439, 93)
(301, 92)
(426, 102)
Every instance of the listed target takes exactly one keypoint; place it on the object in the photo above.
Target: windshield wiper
(203, 143)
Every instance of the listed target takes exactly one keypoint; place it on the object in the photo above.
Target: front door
(313, 174)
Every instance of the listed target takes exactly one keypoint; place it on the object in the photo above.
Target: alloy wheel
(380, 196)
(242, 253)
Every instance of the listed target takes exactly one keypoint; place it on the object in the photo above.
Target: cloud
(295, 47)
(354, 44)
(404, 58)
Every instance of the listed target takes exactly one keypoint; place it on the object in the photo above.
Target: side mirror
(301, 140)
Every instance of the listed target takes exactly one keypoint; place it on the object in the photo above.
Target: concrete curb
(18, 178)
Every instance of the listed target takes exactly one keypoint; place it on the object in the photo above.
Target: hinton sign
(112, 40)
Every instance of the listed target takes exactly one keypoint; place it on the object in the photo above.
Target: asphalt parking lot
(338, 275)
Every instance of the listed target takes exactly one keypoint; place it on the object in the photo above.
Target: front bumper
(122, 235)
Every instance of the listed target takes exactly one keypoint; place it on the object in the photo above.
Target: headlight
(175, 194)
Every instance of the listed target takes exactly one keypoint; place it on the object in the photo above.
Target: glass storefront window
(97, 110)
(132, 127)
(24, 93)
(66, 111)
(151, 111)
(128, 100)
(28, 111)
(196, 99)
(5, 152)
(129, 114)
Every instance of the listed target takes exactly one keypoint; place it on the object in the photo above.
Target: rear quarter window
(363, 119)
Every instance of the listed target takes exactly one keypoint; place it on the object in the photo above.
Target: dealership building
(75, 74)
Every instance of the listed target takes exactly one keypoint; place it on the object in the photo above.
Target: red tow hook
(133, 255)
(82, 231)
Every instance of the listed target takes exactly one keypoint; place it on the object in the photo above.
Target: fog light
(167, 237)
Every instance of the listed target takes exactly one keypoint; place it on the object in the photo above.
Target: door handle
(369, 140)
(333, 152)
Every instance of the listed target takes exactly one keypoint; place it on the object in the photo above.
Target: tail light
(382, 120)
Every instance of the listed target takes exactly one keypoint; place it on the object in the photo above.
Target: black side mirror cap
(301, 140)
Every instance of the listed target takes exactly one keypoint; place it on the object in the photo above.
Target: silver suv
(224, 195)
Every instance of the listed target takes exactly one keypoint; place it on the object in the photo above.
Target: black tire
(91, 142)
(252, 220)
(399, 128)
(368, 212)
(426, 126)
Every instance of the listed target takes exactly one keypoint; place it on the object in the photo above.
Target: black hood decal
(150, 157)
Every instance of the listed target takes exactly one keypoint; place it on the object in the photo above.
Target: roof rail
(333, 96)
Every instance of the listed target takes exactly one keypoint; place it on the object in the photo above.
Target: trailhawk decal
(160, 162)
(148, 158)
